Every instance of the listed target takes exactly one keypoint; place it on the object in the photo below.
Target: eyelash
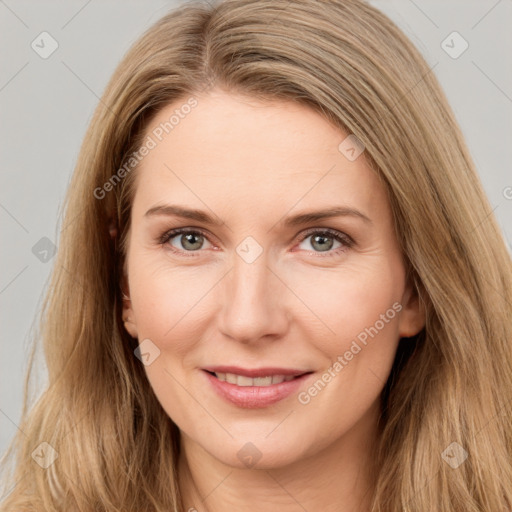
(343, 238)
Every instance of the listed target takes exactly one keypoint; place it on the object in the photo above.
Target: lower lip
(254, 397)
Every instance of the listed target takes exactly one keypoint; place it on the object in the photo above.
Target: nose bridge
(252, 304)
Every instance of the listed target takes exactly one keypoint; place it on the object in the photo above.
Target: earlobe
(129, 324)
(128, 316)
(131, 328)
(412, 316)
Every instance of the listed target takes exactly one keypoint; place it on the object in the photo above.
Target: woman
(280, 285)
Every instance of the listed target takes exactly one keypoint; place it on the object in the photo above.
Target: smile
(258, 391)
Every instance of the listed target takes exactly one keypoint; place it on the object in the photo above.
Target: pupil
(323, 245)
(186, 240)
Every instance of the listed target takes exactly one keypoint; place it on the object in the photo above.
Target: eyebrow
(294, 220)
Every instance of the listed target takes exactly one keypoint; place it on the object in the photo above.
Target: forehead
(238, 151)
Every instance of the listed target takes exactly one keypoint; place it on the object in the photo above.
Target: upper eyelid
(171, 233)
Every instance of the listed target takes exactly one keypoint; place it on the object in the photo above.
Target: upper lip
(256, 372)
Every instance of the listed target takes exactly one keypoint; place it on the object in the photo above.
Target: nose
(254, 302)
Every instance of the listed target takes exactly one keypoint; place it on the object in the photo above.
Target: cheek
(363, 314)
(169, 310)
(349, 302)
(171, 304)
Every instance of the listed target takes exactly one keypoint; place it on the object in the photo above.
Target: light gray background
(46, 105)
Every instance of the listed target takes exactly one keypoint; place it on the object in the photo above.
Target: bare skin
(300, 304)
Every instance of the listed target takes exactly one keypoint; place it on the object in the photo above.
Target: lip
(255, 397)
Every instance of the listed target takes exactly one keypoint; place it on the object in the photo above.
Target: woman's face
(253, 288)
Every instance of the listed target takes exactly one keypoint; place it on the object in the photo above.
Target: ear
(128, 314)
(412, 315)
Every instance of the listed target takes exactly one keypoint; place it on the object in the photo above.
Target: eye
(189, 240)
(322, 241)
(184, 239)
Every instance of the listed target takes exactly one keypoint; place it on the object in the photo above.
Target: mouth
(265, 376)
(256, 388)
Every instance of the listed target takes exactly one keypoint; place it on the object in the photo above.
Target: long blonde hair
(452, 383)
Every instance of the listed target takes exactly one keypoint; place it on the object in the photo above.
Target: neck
(337, 478)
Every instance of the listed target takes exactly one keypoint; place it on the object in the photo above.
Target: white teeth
(231, 378)
(242, 380)
(264, 381)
